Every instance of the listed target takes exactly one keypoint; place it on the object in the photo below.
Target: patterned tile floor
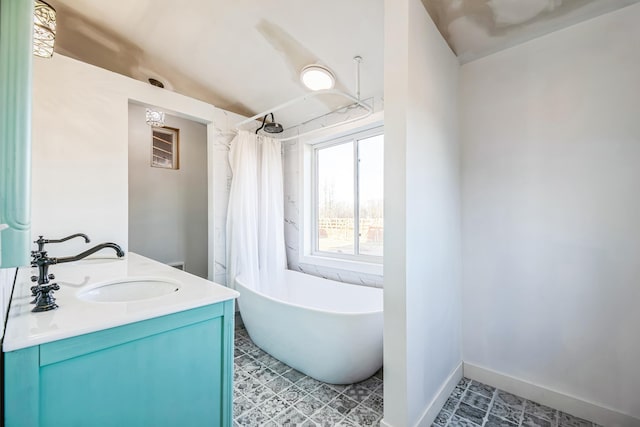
(269, 393)
(474, 404)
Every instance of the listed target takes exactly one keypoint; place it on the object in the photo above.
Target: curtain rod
(356, 102)
(302, 98)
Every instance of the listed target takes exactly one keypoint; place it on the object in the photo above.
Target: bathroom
(511, 234)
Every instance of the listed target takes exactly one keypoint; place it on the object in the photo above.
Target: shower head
(272, 127)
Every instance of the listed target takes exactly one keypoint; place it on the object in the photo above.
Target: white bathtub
(328, 330)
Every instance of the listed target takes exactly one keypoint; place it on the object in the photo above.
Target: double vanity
(133, 342)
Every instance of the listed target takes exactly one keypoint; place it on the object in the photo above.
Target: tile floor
(269, 393)
(474, 404)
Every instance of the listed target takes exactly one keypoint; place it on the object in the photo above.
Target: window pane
(371, 184)
(335, 199)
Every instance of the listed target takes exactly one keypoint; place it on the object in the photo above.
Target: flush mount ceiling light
(155, 118)
(317, 77)
(156, 83)
(44, 29)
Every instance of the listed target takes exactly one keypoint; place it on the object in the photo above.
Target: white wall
(6, 285)
(551, 247)
(80, 144)
(422, 359)
(168, 207)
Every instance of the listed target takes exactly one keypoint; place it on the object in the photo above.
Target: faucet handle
(45, 301)
(49, 288)
(34, 278)
(35, 256)
(35, 292)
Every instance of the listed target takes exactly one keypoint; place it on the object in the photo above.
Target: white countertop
(76, 316)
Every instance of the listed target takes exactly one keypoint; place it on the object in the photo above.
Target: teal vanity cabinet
(173, 370)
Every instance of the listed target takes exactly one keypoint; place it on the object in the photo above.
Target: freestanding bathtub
(328, 330)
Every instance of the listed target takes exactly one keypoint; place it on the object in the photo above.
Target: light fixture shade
(317, 77)
(44, 29)
(155, 118)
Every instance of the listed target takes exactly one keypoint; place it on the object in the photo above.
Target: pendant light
(44, 29)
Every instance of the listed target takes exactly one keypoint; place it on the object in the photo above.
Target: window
(347, 197)
(164, 147)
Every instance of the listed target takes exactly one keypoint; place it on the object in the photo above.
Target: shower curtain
(255, 216)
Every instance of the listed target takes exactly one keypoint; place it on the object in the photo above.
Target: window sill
(343, 264)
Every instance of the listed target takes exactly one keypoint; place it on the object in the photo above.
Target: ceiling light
(156, 82)
(317, 77)
(44, 29)
(155, 118)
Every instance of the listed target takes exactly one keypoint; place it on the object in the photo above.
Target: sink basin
(130, 290)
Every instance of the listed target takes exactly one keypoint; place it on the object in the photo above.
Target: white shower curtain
(255, 217)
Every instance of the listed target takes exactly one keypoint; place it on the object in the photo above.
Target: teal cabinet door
(169, 371)
(16, 20)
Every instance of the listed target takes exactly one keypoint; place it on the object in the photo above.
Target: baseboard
(431, 411)
(570, 404)
(178, 265)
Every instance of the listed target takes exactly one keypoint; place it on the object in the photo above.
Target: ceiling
(476, 28)
(245, 56)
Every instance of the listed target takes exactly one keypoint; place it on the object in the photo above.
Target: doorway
(168, 191)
